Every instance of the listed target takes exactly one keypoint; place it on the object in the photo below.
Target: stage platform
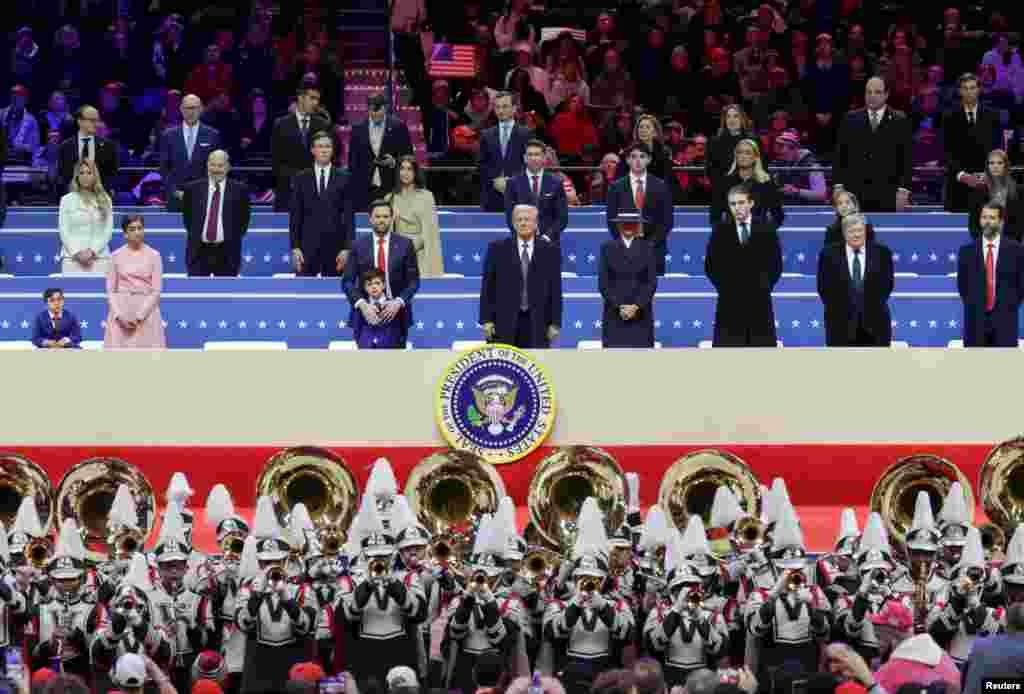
(922, 242)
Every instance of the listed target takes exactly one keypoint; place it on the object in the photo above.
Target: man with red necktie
(216, 215)
(395, 256)
(990, 277)
(542, 189)
(647, 194)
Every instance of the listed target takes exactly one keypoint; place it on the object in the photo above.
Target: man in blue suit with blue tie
(56, 328)
(502, 153)
(990, 277)
(543, 191)
(638, 191)
(395, 256)
(184, 150)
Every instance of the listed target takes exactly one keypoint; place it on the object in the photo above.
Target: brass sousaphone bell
(449, 492)
(317, 478)
(20, 478)
(1001, 490)
(86, 494)
(560, 485)
(689, 486)
(895, 492)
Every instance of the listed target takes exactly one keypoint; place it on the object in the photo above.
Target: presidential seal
(497, 402)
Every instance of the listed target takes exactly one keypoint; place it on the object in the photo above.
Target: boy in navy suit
(56, 328)
(382, 335)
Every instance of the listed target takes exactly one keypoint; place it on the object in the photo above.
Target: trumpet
(879, 578)
(127, 542)
(795, 581)
(231, 547)
(378, 569)
(750, 532)
(588, 585)
(478, 581)
(37, 552)
(972, 581)
(695, 599)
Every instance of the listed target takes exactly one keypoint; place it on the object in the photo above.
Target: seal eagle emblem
(497, 402)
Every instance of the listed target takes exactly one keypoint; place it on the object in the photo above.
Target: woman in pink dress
(133, 289)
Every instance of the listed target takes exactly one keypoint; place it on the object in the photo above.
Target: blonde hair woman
(748, 170)
(86, 222)
(648, 131)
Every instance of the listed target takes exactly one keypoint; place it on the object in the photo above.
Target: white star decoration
(914, 257)
(677, 324)
(85, 324)
(591, 257)
(56, 258)
(24, 323)
(439, 324)
(457, 257)
(796, 324)
(815, 324)
(459, 325)
(933, 256)
(38, 257)
(476, 257)
(222, 324)
(913, 324)
(572, 257)
(952, 257)
(302, 325)
(285, 258)
(668, 257)
(896, 257)
(895, 323)
(657, 324)
(933, 323)
(182, 324)
(171, 258)
(242, 325)
(5, 325)
(697, 324)
(164, 323)
(578, 324)
(686, 257)
(952, 323)
(322, 324)
(267, 258)
(282, 325)
(19, 258)
(341, 324)
(419, 325)
(262, 324)
(103, 324)
(247, 258)
(800, 257)
(202, 324)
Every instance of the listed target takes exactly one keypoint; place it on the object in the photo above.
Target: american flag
(453, 60)
(551, 33)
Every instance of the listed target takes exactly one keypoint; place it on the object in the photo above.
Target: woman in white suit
(86, 222)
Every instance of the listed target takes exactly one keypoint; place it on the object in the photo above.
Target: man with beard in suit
(873, 159)
(321, 225)
(969, 134)
(855, 279)
(521, 292)
(743, 261)
(289, 142)
(374, 151)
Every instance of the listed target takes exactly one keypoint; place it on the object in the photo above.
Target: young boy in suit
(375, 335)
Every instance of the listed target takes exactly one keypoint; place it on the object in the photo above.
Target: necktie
(85, 148)
(874, 121)
(536, 186)
(305, 127)
(744, 233)
(858, 278)
(211, 216)
(970, 118)
(190, 141)
(382, 263)
(504, 139)
(524, 264)
(323, 181)
(990, 284)
(639, 199)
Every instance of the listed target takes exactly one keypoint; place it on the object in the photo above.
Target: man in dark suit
(1000, 656)
(646, 193)
(502, 153)
(968, 135)
(855, 279)
(85, 142)
(873, 159)
(321, 226)
(546, 193)
(56, 328)
(184, 150)
(289, 142)
(216, 215)
(990, 277)
(521, 291)
(627, 280)
(3, 189)
(374, 151)
(391, 253)
(743, 261)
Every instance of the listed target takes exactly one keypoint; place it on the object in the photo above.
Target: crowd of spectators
(582, 77)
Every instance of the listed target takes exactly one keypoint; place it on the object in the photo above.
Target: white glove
(633, 481)
(597, 601)
(780, 586)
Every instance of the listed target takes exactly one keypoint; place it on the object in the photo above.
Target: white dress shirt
(880, 112)
(376, 140)
(92, 145)
(995, 252)
(969, 114)
(317, 169)
(633, 183)
(850, 253)
(540, 180)
(529, 248)
(299, 116)
(191, 134)
(628, 242)
(750, 229)
(219, 212)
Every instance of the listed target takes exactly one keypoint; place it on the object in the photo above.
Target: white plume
(219, 506)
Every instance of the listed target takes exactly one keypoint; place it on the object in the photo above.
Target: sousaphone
(1001, 490)
(86, 494)
(316, 477)
(19, 478)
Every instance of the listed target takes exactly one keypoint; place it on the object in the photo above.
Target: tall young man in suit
(521, 291)
(502, 153)
(639, 191)
(873, 158)
(743, 261)
(969, 134)
(56, 327)
(990, 278)
(215, 210)
(184, 150)
(543, 191)
(289, 142)
(374, 151)
(395, 256)
(86, 144)
(855, 279)
(321, 226)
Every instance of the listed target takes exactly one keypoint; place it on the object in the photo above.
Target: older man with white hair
(216, 215)
(521, 292)
(855, 279)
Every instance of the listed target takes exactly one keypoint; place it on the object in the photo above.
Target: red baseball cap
(306, 672)
(206, 687)
(42, 676)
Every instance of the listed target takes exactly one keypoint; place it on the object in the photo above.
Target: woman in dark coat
(734, 125)
(648, 131)
(1001, 188)
(627, 280)
(748, 171)
(845, 204)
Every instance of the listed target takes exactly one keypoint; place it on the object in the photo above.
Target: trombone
(379, 569)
